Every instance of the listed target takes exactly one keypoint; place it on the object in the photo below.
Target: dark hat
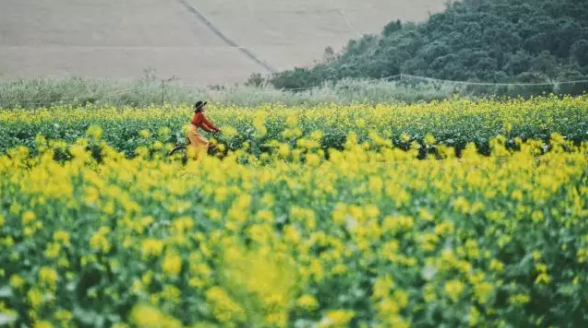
(199, 104)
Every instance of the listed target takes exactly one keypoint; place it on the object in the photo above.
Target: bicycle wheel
(177, 150)
(216, 151)
(178, 153)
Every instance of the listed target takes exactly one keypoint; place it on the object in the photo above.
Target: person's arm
(205, 128)
(209, 124)
(198, 120)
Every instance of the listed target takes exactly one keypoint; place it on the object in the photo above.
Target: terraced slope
(199, 42)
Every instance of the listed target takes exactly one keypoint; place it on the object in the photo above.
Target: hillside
(473, 40)
(200, 42)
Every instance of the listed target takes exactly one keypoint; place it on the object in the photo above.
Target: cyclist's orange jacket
(200, 121)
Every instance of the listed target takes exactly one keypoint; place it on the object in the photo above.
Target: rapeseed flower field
(390, 225)
(453, 123)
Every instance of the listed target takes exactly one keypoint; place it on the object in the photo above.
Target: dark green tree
(579, 52)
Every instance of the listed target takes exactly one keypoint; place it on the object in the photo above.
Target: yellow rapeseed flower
(16, 281)
(172, 264)
(61, 236)
(307, 302)
(152, 247)
(48, 276)
(28, 217)
(43, 324)
(147, 316)
(336, 318)
(454, 289)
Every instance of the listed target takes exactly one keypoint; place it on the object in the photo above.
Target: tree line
(519, 41)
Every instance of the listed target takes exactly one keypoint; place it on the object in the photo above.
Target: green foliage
(473, 40)
(579, 51)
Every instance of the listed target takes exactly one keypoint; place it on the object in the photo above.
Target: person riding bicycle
(199, 143)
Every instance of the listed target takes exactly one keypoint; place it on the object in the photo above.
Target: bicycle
(180, 148)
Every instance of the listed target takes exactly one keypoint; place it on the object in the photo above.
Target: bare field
(198, 42)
